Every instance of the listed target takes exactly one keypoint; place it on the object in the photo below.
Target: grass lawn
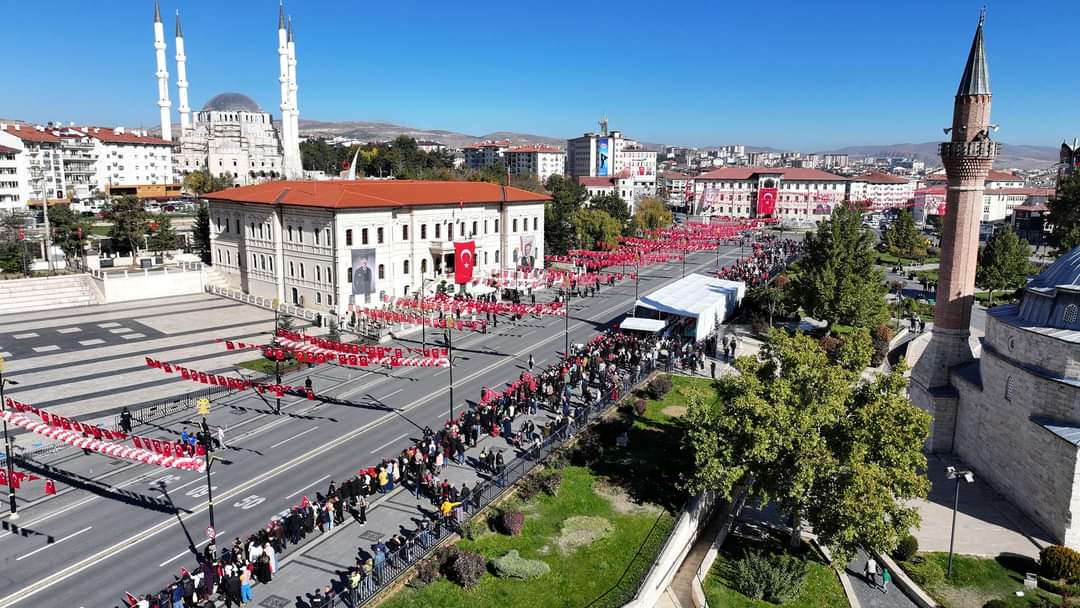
(888, 259)
(632, 488)
(265, 367)
(977, 580)
(100, 230)
(1003, 296)
(929, 275)
(821, 589)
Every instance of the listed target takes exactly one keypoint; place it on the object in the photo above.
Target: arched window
(423, 232)
(438, 231)
(496, 256)
(474, 226)
(379, 235)
(329, 275)
(404, 233)
(496, 226)
(299, 234)
(405, 267)
(382, 271)
(316, 233)
(318, 273)
(536, 223)
(485, 258)
(423, 266)
(363, 236)
(292, 270)
(513, 227)
(348, 237)
(1070, 314)
(295, 296)
(302, 271)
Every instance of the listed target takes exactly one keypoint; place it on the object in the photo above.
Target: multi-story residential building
(426, 145)
(39, 166)
(671, 187)
(486, 153)
(927, 202)
(12, 189)
(305, 243)
(607, 154)
(879, 191)
(834, 161)
(994, 180)
(791, 193)
(998, 203)
(539, 161)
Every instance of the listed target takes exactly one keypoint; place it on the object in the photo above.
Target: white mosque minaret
(231, 135)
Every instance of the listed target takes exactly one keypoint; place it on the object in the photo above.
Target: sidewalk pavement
(873, 596)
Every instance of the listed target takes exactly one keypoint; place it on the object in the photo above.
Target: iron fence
(424, 541)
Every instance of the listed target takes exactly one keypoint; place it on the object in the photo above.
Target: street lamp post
(566, 314)
(450, 360)
(204, 408)
(969, 477)
(7, 448)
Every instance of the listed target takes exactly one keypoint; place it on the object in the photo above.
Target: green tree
(595, 226)
(805, 434)
(201, 234)
(651, 214)
(68, 230)
(903, 238)
(1064, 216)
(614, 205)
(839, 282)
(568, 196)
(14, 254)
(1003, 263)
(163, 237)
(202, 181)
(129, 223)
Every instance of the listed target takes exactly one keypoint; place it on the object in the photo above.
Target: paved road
(116, 526)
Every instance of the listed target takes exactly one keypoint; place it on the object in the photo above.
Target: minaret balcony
(984, 148)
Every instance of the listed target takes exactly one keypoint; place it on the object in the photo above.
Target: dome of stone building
(1052, 299)
(231, 102)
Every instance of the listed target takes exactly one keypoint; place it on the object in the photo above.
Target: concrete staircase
(47, 293)
(216, 278)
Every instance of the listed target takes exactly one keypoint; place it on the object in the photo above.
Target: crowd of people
(598, 369)
(769, 256)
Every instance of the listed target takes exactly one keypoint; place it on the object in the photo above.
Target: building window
(270, 259)
(363, 236)
(1070, 314)
(295, 296)
(318, 274)
(1009, 384)
(449, 232)
(329, 275)
(382, 271)
(315, 233)
(423, 266)
(438, 231)
(329, 300)
(536, 222)
(496, 256)
(485, 226)
(513, 227)
(404, 233)
(318, 297)
(251, 231)
(485, 258)
(292, 270)
(328, 240)
(348, 237)
(348, 275)
(405, 267)
(496, 226)
(290, 234)
(300, 234)
(474, 226)
(379, 235)
(423, 232)
(302, 271)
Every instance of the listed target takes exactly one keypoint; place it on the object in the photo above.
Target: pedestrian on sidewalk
(362, 505)
(712, 369)
(886, 578)
(125, 420)
(870, 572)
(221, 437)
(530, 362)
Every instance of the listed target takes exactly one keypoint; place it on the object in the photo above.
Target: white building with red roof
(486, 153)
(538, 160)
(880, 191)
(12, 188)
(783, 192)
(297, 241)
(610, 154)
(38, 165)
(671, 186)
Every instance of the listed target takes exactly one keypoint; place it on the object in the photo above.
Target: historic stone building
(1009, 406)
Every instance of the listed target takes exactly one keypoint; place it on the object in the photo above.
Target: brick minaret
(967, 157)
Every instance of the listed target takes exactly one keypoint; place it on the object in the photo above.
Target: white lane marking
(55, 578)
(389, 443)
(294, 437)
(296, 493)
(40, 549)
(390, 395)
(187, 552)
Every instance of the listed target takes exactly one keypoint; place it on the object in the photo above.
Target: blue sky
(789, 74)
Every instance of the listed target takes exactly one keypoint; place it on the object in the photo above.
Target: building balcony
(980, 149)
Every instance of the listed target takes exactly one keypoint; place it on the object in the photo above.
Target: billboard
(603, 166)
(527, 259)
(363, 276)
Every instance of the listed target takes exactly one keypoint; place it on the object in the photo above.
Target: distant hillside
(1012, 155)
(381, 131)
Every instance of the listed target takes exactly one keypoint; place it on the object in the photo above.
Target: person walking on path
(886, 578)
(530, 362)
(871, 572)
(712, 369)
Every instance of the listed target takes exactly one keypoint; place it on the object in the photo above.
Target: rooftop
(596, 182)
(1020, 191)
(232, 102)
(365, 194)
(537, 148)
(30, 133)
(880, 178)
(7, 150)
(789, 173)
(112, 136)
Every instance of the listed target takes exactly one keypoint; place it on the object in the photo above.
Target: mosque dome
(1052, 299)
(231, 102)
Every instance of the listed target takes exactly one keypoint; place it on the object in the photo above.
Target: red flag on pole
(766, 202)
(50, 488)
(130, 599)
(464, 260)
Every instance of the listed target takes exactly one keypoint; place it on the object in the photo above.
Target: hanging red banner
(766, 201)
(464, 260)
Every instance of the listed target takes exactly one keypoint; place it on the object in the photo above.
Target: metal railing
(423, 543)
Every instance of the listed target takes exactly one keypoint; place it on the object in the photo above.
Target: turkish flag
(130, 599)
(50, 488)
(766, 201)
(464, 260)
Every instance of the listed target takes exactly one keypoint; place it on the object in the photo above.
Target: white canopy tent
(640, 324)
(707, 300)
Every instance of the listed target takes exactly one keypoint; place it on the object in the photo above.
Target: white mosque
(232, 135)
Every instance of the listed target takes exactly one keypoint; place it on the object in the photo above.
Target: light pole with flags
(204, 411)
(7, 447)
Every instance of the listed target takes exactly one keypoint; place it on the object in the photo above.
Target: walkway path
(874, 597)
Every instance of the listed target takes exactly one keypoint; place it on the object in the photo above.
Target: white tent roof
(695, 294)
(639, 324)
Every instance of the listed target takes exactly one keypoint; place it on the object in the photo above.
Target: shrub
(639, 407)
(1060, 563)
(906, 548)
(774, 579)
(551, 484)
(881, 338)
(1059, 588)
(444, 556)
(467, 569)
(588, 450)
(474, 528)
(829, 344)
(925, 572)
(427, 572)
(529, 487)
(511, 522)
(660, 386)
(995, 603)
(514, 566)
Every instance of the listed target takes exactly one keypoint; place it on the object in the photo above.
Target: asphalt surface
(116, 526)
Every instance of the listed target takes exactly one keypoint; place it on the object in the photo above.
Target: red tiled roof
(7, 150)
(788, 173)
(536, 148)
(931, 190)
(596, 182)
(1039, 207)
(109, 136)
(30, 133)
(879, 178)
(501, 143)
(369, 194)
(674, 175)
(1002, 176)
(1020, 191)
